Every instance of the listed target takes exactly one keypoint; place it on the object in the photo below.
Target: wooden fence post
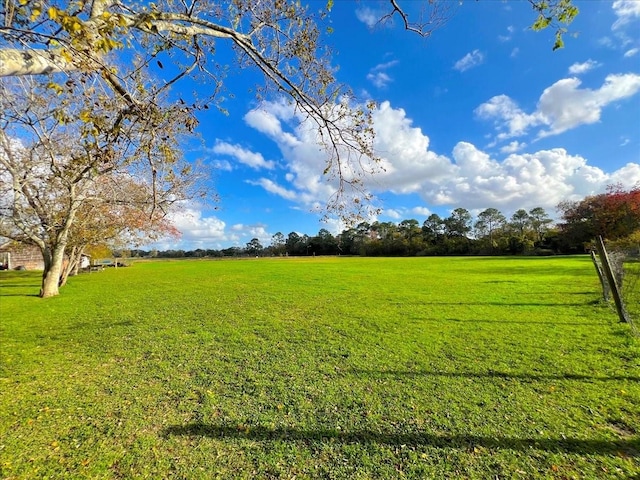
(603, 280)
(602, 252)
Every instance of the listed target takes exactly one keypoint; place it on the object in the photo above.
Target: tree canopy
(613, 215)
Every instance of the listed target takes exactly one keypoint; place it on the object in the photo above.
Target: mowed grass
(319, 368)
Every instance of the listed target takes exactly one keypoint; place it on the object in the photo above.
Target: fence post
(602, 252)
(603, 280)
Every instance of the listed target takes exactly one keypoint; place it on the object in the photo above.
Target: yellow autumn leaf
(35, 13)
(53, 13)
(85, 116)
(66, 55)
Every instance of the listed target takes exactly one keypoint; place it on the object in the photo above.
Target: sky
(481, 114)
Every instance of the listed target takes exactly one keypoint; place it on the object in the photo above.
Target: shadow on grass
(519, 304)
(19, 295)
(557, 323)
(492, 374)
(630, 447)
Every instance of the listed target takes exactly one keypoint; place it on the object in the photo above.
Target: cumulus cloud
(469, 177)
(470, 60)
(246, 232)
(393, 213)
(561, 107)
(421, 211)
(584, 67)
(198, 230)
(242, 155)
(513, 147)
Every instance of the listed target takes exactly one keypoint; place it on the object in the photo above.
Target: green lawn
(319, 368)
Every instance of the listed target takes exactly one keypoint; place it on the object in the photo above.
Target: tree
(254, 247)
(278, 244)
(292, 243)
(433, 228)
(62, 155)
(324, 243)
(520, 220)
(613, 215)
(458, 224)
(540, 222)
(280, 38)
(489, 221)
(113, 225)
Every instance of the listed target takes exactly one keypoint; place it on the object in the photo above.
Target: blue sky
(481, 114)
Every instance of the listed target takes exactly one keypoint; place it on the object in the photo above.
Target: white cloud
(631, 52)
(514, 52)
(470, 177)
(368, 16)
(561, 107)
(393, 213)
(386, 65)
(513, 147)
(565, 106)
(222, 165)
(198, 230)
(470, 60)
(626, 11)
(244, 233)
(584, 67)
(508, 116)
(379, 79)
(244, 156)
(421, 211)
(272, 187)
(378, 75)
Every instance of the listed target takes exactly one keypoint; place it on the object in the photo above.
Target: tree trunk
(73, 266)
(52, 270)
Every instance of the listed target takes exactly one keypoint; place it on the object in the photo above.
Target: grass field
(319, 368)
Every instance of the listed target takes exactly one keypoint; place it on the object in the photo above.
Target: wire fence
(630, 289)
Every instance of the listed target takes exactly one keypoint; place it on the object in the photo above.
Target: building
(17, 255)
(14, 255)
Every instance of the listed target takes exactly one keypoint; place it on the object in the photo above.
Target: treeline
(490, 234)
(615, 215)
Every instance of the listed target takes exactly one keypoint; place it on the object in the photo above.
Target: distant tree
(520, 221)
(278, 244)
(613, 215)
(254, 247)
(540, 222)
(324, 243)
(433, 228)
(114, 219)
(292, 242)
(458, 224)
(489, 221)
